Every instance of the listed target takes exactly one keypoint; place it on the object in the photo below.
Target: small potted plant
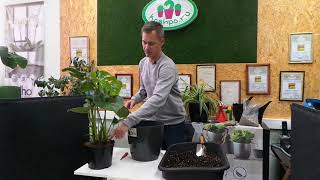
(215, 132)
(12, 60)
(199, 104)
(242, 143)
(101, 91)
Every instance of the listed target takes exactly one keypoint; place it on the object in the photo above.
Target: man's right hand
(130, 104)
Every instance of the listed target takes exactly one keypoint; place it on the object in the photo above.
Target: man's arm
(165, 82)
(141, 94)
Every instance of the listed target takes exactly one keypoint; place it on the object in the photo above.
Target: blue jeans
(173, 134)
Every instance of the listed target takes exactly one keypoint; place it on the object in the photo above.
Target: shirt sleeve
(142, 93)
(164, 84)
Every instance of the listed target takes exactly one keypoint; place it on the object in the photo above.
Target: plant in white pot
(242, 143)
(102, 94)
(12, 60)
(215, 133)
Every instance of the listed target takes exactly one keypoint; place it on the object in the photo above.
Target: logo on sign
(172, 14)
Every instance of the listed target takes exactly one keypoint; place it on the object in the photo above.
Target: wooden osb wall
(276, 20)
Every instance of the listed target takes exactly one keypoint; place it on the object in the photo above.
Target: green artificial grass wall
(224, 32)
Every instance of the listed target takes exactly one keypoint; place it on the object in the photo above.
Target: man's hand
(130, 104)
(121, 130)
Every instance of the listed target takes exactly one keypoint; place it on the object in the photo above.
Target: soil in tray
(189, 159)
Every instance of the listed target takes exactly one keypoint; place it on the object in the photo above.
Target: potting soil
(189, 159)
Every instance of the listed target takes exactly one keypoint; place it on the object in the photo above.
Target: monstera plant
(12, 60)
(101, 91)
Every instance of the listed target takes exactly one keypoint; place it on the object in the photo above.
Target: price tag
(133, 132)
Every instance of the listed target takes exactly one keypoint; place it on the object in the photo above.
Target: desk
(125, 169)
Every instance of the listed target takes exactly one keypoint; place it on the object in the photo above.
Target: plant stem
(108, 131)
(93, 124)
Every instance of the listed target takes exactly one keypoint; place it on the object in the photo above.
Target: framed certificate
(300, 48)
(127, 80)
(291, 85)
(79, 47)
(230, 91)
(184, 81)
(206, 75)
(258, 79)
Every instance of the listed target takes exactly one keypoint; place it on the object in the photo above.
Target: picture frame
(258, 79)
(127, 79)
(291, 86)
(300, 48)
(79, 47)
(230, 92)
(206, 74)
(184, 82)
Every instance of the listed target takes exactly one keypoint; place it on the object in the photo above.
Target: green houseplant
(242, 143)
(215, 132)
(12, 60)
(66, 85)
(101, 91)
(198, 103)
(215, 128)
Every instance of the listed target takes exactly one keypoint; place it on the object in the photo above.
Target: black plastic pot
(191, 173)
(194, 112)
(238, 110)
(145, 140)
(99, 156)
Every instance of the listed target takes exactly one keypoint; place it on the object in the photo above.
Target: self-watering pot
(242, 150)
(145, 140)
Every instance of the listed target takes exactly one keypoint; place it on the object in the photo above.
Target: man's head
(152, 39)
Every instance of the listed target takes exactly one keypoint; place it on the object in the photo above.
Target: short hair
(153, 26)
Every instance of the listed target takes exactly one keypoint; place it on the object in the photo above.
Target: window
(25, 36)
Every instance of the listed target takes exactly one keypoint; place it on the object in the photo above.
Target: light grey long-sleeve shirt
(159, 84)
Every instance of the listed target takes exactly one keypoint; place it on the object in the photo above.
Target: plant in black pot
(12, 60)
(242, 143)
(102, 94)
(199, 104)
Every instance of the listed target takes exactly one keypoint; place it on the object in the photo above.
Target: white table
(125, 169)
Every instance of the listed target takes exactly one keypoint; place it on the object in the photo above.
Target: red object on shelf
(221, 116)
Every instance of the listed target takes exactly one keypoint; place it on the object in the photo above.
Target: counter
(125, 169)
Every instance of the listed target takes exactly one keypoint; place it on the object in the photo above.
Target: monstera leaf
(12, 59)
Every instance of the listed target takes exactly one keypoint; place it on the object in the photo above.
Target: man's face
(152, 44)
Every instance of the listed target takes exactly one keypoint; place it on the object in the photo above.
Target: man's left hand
(121, 131)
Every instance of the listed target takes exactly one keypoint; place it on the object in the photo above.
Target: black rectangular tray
(191, 173)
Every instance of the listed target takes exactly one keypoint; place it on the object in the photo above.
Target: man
(159, 84)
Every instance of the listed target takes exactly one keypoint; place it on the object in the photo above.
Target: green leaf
(12, 59)
(41, 84)
(113, 104)
(123, 112)
(83, 110)
(115, 121)
(74, 72)
(105, 73)
(3, 54)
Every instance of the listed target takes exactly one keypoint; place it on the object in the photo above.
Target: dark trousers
(173, 134)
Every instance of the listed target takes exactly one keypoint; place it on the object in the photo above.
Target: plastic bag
(198, 129)
(250, 114)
